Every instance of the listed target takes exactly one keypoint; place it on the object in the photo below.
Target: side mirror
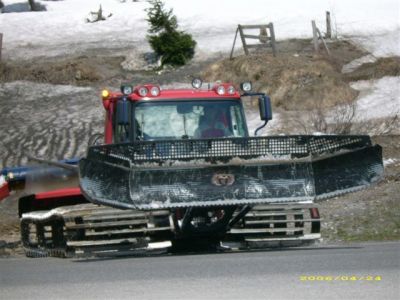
(264, 104)
(122, 112)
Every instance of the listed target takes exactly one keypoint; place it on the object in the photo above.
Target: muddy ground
(49, 107)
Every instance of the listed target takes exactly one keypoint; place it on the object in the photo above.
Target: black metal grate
(219, 149)
(129, 176)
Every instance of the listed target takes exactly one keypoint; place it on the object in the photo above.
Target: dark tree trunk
(32, 4)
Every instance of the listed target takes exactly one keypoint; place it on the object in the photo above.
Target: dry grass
(310, 91)
(293, 82)
(55, 73)
(82, 70)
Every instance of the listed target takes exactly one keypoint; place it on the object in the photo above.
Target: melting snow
(373, 23)
(353, 65)
(389, 161)
(378, 98)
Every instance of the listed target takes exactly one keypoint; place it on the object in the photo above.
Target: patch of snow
(378, 98)
(381, 44)
(32, 91)
(389, 161)
(375, 24)
(353, 65)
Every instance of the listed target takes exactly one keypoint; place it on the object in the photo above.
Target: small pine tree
(175, 47)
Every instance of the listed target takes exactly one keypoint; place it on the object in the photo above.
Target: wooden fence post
(246, 51)
(272, 32)
(328, 26)
(318, 36)
(315, 35)
(234, 42)
(1, 43)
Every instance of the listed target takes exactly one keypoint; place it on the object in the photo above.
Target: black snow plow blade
(235, 171)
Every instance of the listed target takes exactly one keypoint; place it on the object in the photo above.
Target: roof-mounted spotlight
(221, 90)
(246, 86)
(231, 90)
(143, 91)
(126, 89)
(155, 91)
(197, 83)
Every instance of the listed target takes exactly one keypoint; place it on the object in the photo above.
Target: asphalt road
(325, 272)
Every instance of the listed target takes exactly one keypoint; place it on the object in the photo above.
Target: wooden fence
(317, 36)
(266, 38)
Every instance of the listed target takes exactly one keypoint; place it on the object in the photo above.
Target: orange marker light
(105, 94)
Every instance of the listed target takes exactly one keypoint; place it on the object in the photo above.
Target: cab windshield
(188, 120)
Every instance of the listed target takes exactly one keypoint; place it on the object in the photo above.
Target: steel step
(263, 230)
(273, 214)
(311, 236)
(122, 250)
(118, 215)
(102, 242)
(260, 222)
(105, 224)
(284, 207)
(125, 231)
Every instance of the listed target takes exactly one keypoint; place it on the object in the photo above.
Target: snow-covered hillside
(373, 23)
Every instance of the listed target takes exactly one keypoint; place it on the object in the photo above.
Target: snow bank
(212, 23)
(378, 98)
(389, 161)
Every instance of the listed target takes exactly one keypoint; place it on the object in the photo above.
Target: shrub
(175, 47)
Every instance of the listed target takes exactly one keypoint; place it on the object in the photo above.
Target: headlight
(155, 91)
(231, 90)
(143, 91)
(126, 89)
(246, 86)
(221, 90)
(196, 83)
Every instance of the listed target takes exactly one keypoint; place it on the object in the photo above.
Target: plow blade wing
(238, 171)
